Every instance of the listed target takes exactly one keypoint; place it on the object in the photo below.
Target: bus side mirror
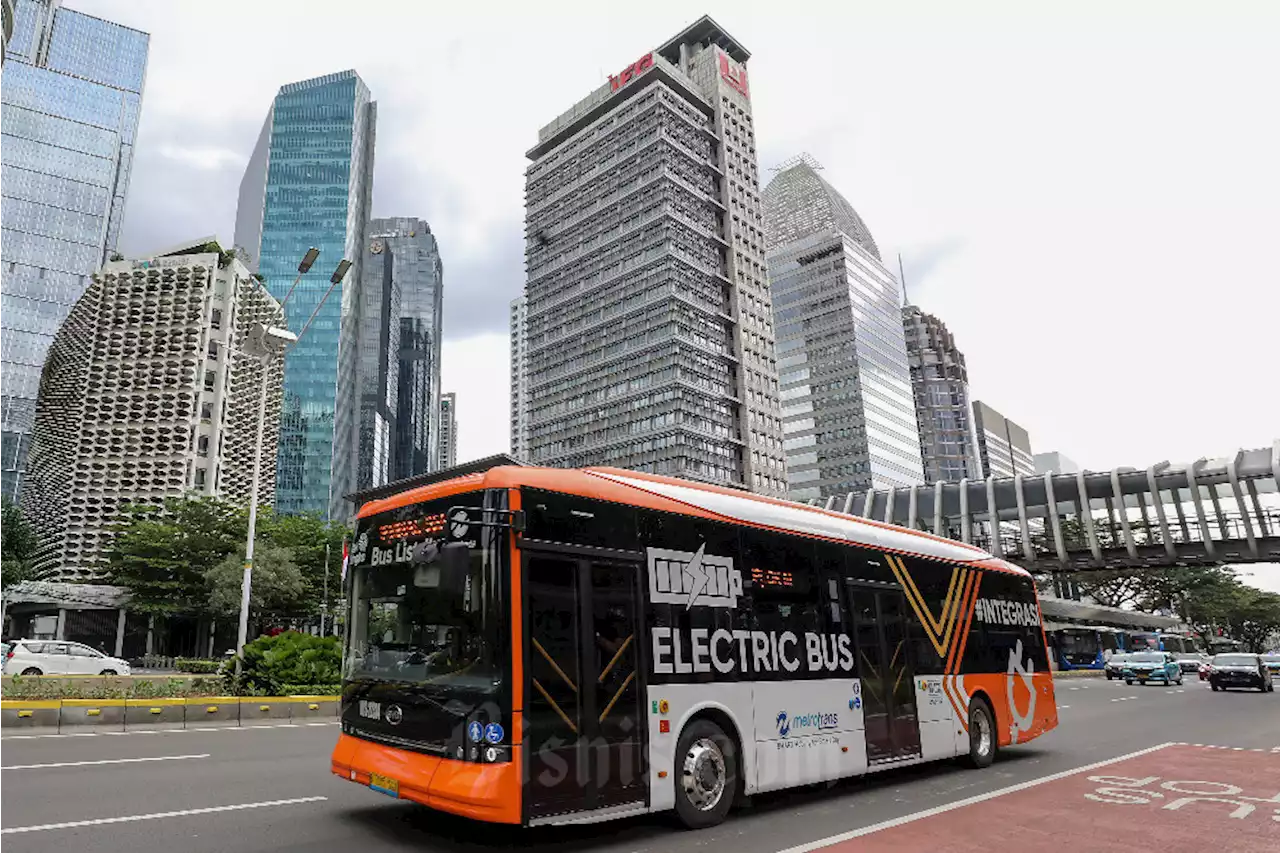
(455, 563)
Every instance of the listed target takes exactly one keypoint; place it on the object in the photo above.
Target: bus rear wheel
(706, 774)
(982, 735)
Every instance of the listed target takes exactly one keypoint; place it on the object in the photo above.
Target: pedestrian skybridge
(1209, 512)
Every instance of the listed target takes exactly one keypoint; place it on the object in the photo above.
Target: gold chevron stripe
(938, 629)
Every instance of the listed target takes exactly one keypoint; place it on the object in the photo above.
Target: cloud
(204, 159)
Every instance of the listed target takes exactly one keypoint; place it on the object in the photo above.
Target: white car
(58, 657)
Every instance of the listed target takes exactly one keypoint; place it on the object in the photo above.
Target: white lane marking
(158, 815)
(911, 818)
(165, 731)
(103, 761)
(1063, 707)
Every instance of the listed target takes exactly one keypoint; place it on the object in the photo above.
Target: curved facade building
(147, 394)
(848, 414)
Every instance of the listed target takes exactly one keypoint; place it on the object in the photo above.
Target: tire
(32, 670)
(1271, 688)
(706, 774)
(983, 742)
(1110, 676)
(1129, 681)
(1213, 687)
(1179, 681)
(108, 672)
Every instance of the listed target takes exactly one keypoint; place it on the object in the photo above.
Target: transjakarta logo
(748, 652)
(1007, 612)
(681, 577)
(798, 723)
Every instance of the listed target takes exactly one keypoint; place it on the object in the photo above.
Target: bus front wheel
(982, 734)
(706, 774)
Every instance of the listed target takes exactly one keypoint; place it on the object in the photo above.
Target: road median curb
(162, 713)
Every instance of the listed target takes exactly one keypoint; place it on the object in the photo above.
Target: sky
(1086, 193)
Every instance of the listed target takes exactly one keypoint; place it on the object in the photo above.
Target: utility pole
(324, 606)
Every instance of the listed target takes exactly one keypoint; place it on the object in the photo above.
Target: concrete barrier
(263, 708)
(190, 712)
(155, 713)
(103, 713)
(213, 710)
(30, 713)
(313, 707)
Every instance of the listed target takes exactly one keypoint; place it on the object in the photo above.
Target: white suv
(58, 657)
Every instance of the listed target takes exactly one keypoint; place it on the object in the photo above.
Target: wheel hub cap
(703, 774)
(983, 733)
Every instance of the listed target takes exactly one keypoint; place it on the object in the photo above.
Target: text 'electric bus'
(535, 646)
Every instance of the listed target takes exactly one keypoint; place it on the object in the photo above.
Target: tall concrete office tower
(72, 94)
(847, 407)
(309, 183)
(940, 382)
(519, 379)
(149, 395)
(650, 342)
(399, 324)
(1003, 446)
(448, 430)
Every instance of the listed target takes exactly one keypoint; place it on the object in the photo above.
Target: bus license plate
(384, 785)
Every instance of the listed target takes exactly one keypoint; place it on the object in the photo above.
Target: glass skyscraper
(309, 183)
(399, 323)
(940, 381)
(848, 414)
(71, 94)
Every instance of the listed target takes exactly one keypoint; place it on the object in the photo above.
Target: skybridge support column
(997, 547)
(1234, 477)
(966, 524)
(848, 504)
(913, 506)
(1257, 508)
(831, 502)
(1218, 513)
(1209, 546)
(1129, 544)
(1027, 550)
(1086, 516)
(1158, 503)
(1058, 544)
(888, 505)
(869, 503)
(937, 509)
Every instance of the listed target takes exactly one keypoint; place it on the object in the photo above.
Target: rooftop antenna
(902, 277)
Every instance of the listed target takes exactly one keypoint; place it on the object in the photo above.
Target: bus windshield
(424, 612)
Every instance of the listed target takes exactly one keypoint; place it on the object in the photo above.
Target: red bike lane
(1172, 798)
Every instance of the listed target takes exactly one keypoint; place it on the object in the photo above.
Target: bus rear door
(583, 734)
(885, 669)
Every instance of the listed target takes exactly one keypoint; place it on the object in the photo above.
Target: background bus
(1085, 647)
(1162, 641)
(537, 646)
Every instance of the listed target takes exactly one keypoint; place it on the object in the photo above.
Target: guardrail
(123, 714)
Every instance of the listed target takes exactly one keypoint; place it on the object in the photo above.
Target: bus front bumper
(488, 792)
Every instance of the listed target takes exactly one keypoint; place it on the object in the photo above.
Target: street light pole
(271, 343)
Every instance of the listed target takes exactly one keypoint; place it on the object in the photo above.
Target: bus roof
(701, 500)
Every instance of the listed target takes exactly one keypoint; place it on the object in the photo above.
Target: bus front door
(884, 667)
(583, 738)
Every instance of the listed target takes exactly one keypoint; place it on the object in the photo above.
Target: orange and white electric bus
(535, 646)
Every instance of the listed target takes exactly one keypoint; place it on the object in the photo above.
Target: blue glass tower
(72, 94)
(309, 183)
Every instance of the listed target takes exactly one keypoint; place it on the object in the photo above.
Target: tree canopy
(17, 544)
(186, 557)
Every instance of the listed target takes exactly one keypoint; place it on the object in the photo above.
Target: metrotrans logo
(788, 723)
(693, 578)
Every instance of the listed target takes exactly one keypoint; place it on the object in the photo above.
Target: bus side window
(937, 590)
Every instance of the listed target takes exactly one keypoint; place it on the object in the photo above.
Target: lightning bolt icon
(699, 574)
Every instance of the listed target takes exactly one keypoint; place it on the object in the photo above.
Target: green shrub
(310, 689)
(288, 658)
(200, 666)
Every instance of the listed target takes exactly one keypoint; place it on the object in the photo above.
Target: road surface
(269, 789)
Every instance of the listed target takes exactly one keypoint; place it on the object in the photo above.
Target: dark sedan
(1189, 661)
(1240, 670)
